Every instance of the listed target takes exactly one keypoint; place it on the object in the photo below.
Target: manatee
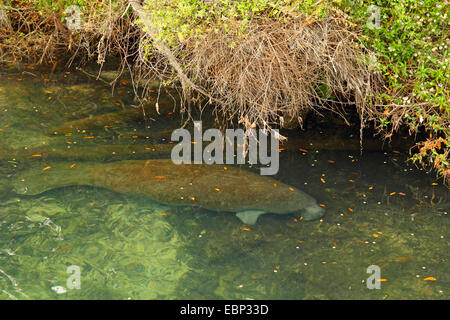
(213, 187)
(99, 121)
(165, 111)
(89, 153)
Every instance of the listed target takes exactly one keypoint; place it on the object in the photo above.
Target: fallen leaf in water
(402, 259)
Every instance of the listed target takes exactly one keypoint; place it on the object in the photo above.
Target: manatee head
(299, 204)
(313, 212)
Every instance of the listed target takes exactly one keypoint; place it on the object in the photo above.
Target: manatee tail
(37, 180)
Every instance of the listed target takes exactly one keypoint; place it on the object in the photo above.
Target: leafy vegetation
(178, 20)
(412, 47)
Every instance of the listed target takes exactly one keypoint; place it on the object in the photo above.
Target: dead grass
(280, 69)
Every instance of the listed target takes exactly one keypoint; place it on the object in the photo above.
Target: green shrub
(412, 47)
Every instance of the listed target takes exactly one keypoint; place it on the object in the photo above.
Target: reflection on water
(379, 211)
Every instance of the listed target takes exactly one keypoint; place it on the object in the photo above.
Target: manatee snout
(313, 212)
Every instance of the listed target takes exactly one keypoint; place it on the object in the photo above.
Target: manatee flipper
(249, 217)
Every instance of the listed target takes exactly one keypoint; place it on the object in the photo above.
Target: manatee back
(38, 180)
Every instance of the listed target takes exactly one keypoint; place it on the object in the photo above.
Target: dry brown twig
(274, 74)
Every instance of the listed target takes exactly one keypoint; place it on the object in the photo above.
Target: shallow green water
(379, 212)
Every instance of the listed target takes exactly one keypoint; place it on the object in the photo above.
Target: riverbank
(243, 58)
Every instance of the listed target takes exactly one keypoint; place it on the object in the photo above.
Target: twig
(92, 76)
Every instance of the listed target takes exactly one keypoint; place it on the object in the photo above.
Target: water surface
(380, 211)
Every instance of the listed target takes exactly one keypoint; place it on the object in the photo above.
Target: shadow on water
(379, 211)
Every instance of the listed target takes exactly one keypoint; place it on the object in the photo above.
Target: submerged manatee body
(213, 187)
